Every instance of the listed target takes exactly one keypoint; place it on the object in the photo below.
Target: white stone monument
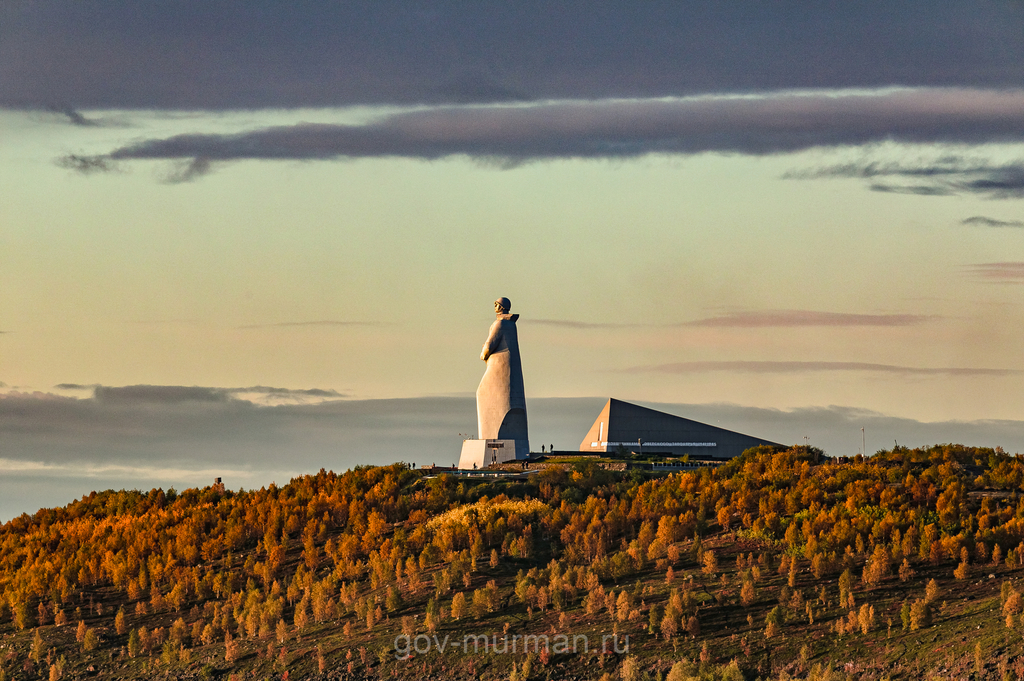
(501, 399)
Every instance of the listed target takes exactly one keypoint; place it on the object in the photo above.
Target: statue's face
(498, 309)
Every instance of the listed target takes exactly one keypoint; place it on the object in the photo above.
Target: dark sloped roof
(624, 422)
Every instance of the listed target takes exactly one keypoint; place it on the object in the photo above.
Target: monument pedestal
(479, 454)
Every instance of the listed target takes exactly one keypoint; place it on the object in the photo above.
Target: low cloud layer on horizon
(58, 448)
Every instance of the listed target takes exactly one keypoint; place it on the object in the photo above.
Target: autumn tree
(622, 606)
(709, 563)
(21, 617)
(669, 625)
(866, 618)
(748, 593)
(877, 567)
(231, 651)
(772, 623)
(693, 626)
(920, 614)
(459, 606)
(846, 589)
(1012, 606)
(37, 651)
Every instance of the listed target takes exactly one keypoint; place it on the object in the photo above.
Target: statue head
(502, 306)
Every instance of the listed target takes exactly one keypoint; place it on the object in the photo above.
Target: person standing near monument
(501, 398)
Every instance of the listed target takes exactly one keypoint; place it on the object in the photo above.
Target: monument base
(479, 454)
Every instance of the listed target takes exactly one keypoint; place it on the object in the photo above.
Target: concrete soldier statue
(500, 398)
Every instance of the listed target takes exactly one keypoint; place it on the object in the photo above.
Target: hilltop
(778, 564)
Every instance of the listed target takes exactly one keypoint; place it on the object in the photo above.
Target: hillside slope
(903, 565)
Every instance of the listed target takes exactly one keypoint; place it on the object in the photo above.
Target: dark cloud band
(219, 54)
(512, 134)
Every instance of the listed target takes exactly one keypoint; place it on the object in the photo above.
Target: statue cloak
(501, 398)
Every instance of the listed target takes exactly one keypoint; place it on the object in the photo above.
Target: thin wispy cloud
(167, 394)
(784, 318)
(73, 117)
(998, 272)
(946, 176)
(267, 390)
(176, 394)
(188, 170)
(158, 322)
(507, 135)
(753, 319)
(786, 367)
(320, 322)
(87, 164)
(983, 221)
(913, 190)
(573, 324)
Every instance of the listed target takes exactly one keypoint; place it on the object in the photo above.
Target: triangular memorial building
(639, 429)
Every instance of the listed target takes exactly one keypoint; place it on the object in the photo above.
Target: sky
(251, 240)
